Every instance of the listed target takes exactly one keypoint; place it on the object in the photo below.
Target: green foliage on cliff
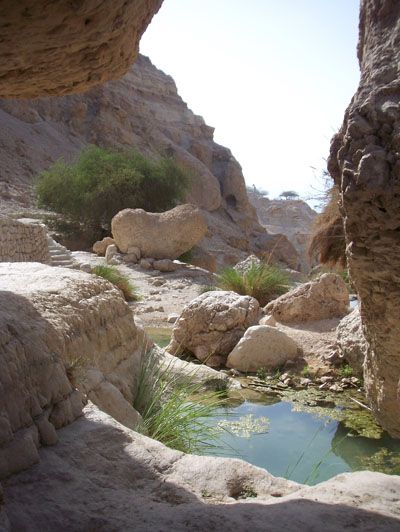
(101, 182)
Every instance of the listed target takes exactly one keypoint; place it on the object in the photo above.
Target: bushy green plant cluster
(101, 182)
(262, 281)
(121, 281)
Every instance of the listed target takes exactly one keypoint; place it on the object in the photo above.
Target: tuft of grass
(186, 257)
(306, 371)
(262, 281)
(121, 281)
(261, 373)
(346, 371)
(173, 410)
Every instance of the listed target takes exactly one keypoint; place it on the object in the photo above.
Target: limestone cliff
(293, 218)
(365, 165)
(144, 110)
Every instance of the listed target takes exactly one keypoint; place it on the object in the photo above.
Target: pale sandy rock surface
(100, 247)
(163, 235)
(57, 324)
(262, 346)
(22, 242)
(103, 476)
(46, 51)
(212, 324)
(293, 218)
(324, 298)
(351, 341)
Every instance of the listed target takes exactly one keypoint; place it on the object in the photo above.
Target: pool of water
(299, 445)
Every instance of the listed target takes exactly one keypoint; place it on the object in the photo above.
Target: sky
(273, 77)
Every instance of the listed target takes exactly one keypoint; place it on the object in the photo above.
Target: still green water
(300, 446)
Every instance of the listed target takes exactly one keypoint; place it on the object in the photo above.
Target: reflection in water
(304, 447)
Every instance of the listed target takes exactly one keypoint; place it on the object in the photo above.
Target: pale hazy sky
(272, 76)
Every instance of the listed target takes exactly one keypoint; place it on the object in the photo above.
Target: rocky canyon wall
(365, 164)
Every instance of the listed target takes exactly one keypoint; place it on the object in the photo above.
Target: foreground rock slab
(326, 297)
(163, 235)
(63, 334)
(103, 476)
(262, 346)
(212, 324)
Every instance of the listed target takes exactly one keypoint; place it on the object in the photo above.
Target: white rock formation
(212, 324)
(351, 341)
(323, 298)
(22, 241)
(262, 346)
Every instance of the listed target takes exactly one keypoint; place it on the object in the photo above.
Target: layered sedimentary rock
(365, 164)
(62, 47)
(23, 242)
(292, 218)
(60, 331)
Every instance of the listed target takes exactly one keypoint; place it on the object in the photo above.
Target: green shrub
(346, 371)
(172, 409)
(101, 182)
(261, 281)
(121, 281)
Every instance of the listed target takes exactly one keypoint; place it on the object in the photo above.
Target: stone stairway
(59, 255)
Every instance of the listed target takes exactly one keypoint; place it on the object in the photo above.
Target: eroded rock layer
(60, 331)
(61, 47)
(22, 242)
(365, 164)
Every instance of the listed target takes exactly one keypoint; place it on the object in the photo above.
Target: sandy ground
(165, 294)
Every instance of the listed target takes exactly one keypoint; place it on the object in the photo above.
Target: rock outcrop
(58, 51)
(163, 235)
(262, 346)
(326, 297)
(61, 331)
(292, 218)
(142, 110)
(103, 476)
(212, 324)
(23, 242)
(351, 341)
(364, 163)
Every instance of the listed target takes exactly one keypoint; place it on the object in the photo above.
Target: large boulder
(326, 297)
(351, 342)
(64, 334)
(262, 346)
(163, 235)
(364, 163)
(212, 324)
(56, 51)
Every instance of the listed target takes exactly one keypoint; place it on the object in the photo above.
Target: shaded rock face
(163, 235)
(326, 297)
(47, 49)
(292, 218)
(22, 242)
(351, 341)
(60, 331)
(364, 163)
(212, 324)
(103, 476)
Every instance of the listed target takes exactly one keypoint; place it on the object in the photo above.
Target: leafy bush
(261, 281)
(101, 182)
(121, 281)
(173, 412)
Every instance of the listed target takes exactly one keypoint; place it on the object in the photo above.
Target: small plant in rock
(173, 410)
(278, 373)
(346, 371)
(121, 281)
(306, 371)
(262, 281)
(261, 373)
(248, 492)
